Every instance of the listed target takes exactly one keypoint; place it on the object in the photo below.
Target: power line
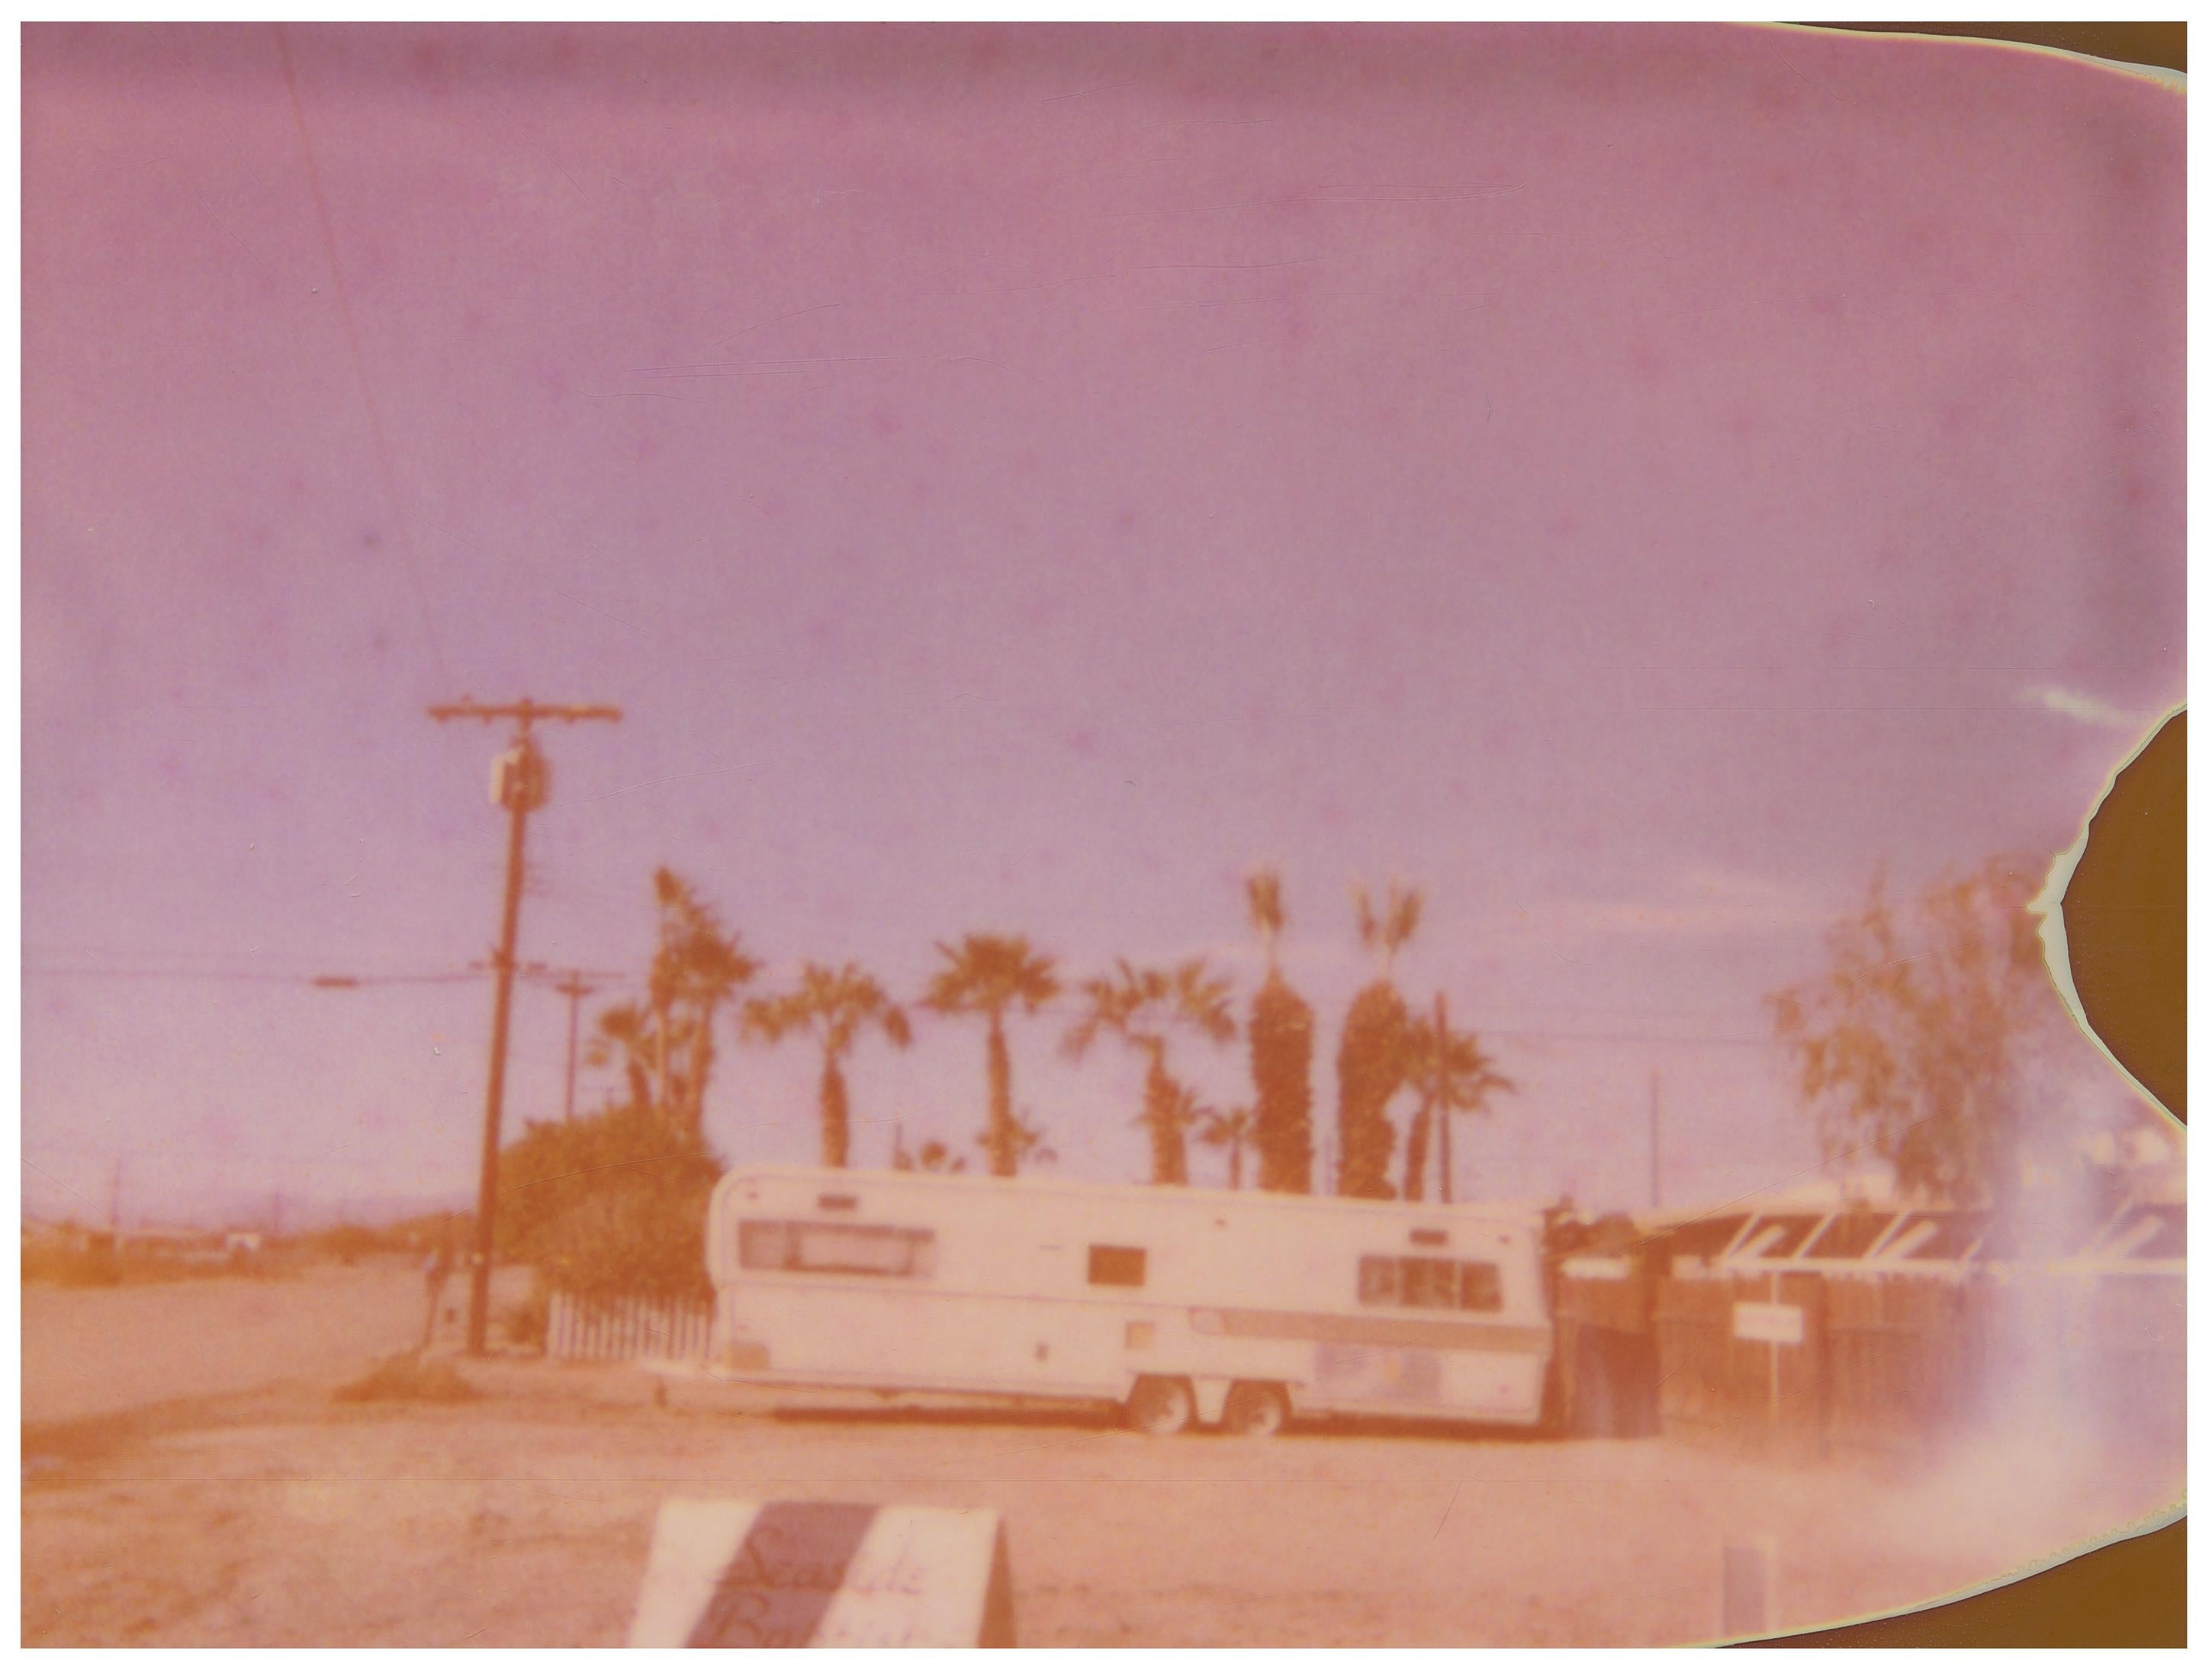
(539, 974)
(328, 981)
(378, 446)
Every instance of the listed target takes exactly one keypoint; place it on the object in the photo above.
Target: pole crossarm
(522, 712)
(521, 794)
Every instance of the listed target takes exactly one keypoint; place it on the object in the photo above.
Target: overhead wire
(379, 445)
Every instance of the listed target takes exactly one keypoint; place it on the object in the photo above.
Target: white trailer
(1217, 1307)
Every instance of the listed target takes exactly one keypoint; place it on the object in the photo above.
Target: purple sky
(1629, 482)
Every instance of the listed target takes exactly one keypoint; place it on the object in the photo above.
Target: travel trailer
(1235, 1309)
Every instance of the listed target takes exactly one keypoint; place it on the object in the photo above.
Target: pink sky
(1629, 482)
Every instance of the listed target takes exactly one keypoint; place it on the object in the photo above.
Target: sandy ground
(189, 1480)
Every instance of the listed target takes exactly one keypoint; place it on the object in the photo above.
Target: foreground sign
(736, 1572)
(1768, 1321)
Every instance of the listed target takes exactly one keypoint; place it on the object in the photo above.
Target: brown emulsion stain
(2125, 910)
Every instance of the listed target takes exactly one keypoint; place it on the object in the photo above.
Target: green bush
(612, 1202)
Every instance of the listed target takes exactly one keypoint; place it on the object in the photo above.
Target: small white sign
(732, 1573)
(1770, 1321)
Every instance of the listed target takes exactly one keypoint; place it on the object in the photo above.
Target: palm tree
(988, 975)
(1454, 1076)
(1141, 1007)
(666, 1043)
(1229, 1129)
(1399, 920)
(1281, 1032)
(934, 1157)
(1263, 902)
(1370, 1056)
(622, 1030)
(835, 1007)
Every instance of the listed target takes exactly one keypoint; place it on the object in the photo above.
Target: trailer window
(1477, 1288)
(874, 1251)
(1425, 1282)
(1417, 1280)
(1124, 1268)
(1378, 1281)
(760, 1245)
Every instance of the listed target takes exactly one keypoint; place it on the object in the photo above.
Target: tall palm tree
(1454, 1075)
(666, 1042)
(1281, 1031)
(1370, 1055)
(988, 975)
(1142, 1007)
(1229, 1129)
(834, 1007)
(1384, 933)
(1263, 903)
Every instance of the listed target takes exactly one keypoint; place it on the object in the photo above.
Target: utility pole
(573, 989)
(572, 984)
(1654, 1137)
(521, 783)
(115, 1206)
(1443, 1108)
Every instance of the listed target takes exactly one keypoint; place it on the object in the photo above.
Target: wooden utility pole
(574, 984)
(521, 783)
(573, 989)
(1443, 1107)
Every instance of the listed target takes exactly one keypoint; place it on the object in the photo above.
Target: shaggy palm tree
(988, 975)
(1229, 1129)
(1454, 1076)
(1371, 1060)
(666, 1042)
(834, 1007)
(933, 1157)
(1142, 1007)
(1281, 1032)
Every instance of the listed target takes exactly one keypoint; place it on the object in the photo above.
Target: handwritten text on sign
(1770, 1321)
(727, 1573)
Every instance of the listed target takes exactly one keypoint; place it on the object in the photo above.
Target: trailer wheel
(1595, 1415)
(1160, 1406)
(1255, 1409)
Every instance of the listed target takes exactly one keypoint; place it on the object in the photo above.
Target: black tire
(1160, 1406)
(1597, 1411)
(1255, 1409)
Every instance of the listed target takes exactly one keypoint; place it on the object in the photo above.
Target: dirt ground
(189, 1479)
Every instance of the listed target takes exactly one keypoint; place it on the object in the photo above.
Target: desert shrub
(612, 1202)
(348, 1243)
(95, 1267)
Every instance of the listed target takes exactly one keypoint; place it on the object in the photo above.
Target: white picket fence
(623, 1327)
